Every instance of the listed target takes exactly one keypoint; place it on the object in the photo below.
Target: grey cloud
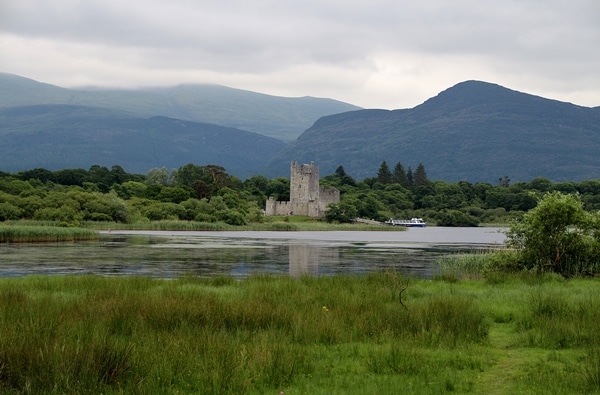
(553, 39)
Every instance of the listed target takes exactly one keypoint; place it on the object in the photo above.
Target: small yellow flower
(325, 308)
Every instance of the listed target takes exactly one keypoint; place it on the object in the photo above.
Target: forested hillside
(62, 136)
(474, 131)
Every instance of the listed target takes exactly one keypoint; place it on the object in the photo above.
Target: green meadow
(375, 334)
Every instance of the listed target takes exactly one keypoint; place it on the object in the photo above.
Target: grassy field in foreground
(329, 335)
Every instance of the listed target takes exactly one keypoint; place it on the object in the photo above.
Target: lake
(239, 254)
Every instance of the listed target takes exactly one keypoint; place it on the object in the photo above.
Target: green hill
(64, 136)
(474, 131)
(282, 118)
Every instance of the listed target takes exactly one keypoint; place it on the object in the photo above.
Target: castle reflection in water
(305, 258)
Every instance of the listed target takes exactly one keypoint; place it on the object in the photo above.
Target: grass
(28, 234)
(341, 334)
(272, 224)
(47, 231)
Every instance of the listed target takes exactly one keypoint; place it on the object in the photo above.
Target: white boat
(411, 223)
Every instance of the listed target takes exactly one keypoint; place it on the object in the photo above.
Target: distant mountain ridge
(283, 118)
(474, 131)
(65, 136)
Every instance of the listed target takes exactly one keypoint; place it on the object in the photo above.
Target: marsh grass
(592, 370)
(265, 334)
(461, 266)
(26, 231)
(29, 234)
(270, 225)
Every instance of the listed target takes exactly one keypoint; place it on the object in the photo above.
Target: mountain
(65, 136)
(282, 118)
(474, 131)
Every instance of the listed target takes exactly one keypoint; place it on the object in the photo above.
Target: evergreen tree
(420, 176)
(400, 175)
(340, 172)
(384, 175)
(410, 179)
(504, 181)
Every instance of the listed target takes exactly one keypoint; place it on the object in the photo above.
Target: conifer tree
(384, 175)
(400, 175)
(410, 179)
(340, 172)
(420, 176)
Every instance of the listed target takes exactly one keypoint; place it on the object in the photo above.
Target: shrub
(558, 235)
(455, 218)
(9, 211)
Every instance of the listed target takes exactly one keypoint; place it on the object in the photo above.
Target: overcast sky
(372, 53)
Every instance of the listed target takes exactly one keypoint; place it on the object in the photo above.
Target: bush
(455, 218)
(341, 213)
(558, 235)
(164, 211)
(9, 211)
(66, 214)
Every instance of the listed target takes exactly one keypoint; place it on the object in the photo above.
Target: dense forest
(209, 194)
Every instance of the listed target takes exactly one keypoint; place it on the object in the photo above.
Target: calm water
(239, 254)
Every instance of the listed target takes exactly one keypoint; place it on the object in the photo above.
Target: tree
(36, 174)
(190, 173)
(504, 182)
(420, 176)
(400, 175)
(9, 211)
(343, 212)
(70, 176)
(410, 179)
(101, 176)
(455, 218)
(173, 194)
(158, 176)
(557, 235)
(279, 189)
(384, 175)
(119, 175)
(203, 190)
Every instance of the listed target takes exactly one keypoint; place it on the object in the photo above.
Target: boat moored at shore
(410, 223)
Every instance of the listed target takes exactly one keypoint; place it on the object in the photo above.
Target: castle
(307, 197)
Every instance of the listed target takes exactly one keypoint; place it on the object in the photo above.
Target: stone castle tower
(306, 195)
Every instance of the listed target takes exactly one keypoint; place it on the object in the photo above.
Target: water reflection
(207, 254)
(304, 259)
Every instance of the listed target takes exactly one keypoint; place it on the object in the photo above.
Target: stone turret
(304, 183)
(306, 195)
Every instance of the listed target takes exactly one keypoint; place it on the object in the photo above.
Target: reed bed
(31, 234)
(282, 226)
(341, 334)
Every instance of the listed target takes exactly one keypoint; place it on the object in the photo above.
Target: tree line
(209, 194)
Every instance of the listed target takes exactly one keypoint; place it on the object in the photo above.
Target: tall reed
(220, 226)
(28, 234)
